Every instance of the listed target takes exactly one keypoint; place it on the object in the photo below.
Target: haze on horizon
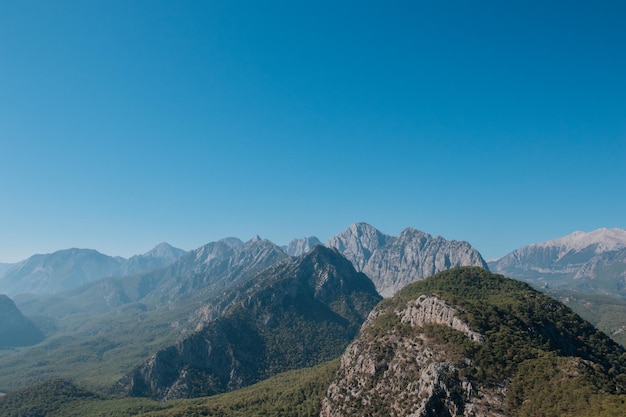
(125, 124)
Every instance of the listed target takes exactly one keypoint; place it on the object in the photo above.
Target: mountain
(472, 343)
(15, 329)
(607, 313)
(106, 328)
(299, 247)
(393, 262)
(292, 315)
(211, 268)
(593, 262)
(158, 257)
(72, 268)
(4, 268)
(50, 273)
(201, 274)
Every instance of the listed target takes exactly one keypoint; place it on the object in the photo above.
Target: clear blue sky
(128, 123)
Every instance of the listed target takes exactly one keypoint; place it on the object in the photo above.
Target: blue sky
(128, 123)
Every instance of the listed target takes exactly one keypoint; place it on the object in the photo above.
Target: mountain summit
(393, 262)
(586, 262)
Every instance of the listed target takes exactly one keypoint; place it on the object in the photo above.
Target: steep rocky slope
(15, 329)
(471, 343)
(292, 315)
(393, 262)
(593, 262)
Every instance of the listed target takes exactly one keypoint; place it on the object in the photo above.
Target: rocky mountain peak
(298, 247)
(329, 273)
(603, 239)
(358, 243)
(232, 241)
(164, 250)
(393, 262)
(590, 262)
(255, 239)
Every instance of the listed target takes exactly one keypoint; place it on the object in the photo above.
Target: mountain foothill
(366, 324)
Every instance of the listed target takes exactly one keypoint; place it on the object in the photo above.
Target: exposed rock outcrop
(403, 374)
(393, 262)
(466, 342)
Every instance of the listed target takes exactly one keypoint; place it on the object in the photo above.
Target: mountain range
(293, 315)
(391, 262)
(71, 268)
(464, 342)
(229, 314)
(156, 308)
(592, 262)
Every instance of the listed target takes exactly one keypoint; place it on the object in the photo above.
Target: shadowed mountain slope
(295, 314)
(15, 329)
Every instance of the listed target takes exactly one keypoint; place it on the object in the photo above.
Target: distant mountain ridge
(201, 273)
(299, 247)
(71, 268)
(393, 262)
(593, 262)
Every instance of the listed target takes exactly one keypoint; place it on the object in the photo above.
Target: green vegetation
(553, 362)
(605, 312)
(557, 386)
(296, 393)
(95, 351)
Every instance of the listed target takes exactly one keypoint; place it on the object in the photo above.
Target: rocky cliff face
(393, 262)
(291, 315)
(15, 329)
(358, 243)
(403, 374)
(461, 343)
(593, 262)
